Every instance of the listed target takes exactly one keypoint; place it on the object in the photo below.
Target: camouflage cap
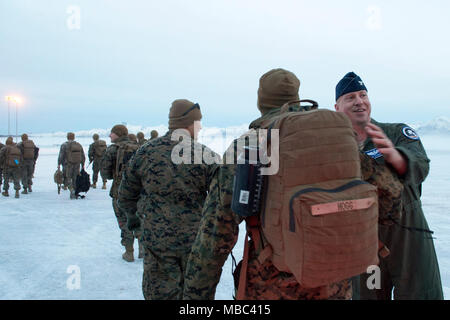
(95, 137)
(277, 87)
(120, 130)
(24, 137)
(154, 134)
(183, 113)
(140, 135)
(70, 136)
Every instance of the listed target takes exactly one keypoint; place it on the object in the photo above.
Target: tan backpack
(74, 152)
(319, 219)
(100, 148)
(13, 157)
(28, 149)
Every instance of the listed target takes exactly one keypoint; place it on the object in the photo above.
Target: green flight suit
(411, 270)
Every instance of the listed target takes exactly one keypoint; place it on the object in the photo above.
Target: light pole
(17, 121)
(17, 100)
(9, 98)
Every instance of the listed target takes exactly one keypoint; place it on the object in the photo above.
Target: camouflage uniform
(70, 170)
(96, 162)
(108, 171)
(1, 167)
(219, 230)
(10, 173)
(168, 198)
(27, 168)
(141, 139)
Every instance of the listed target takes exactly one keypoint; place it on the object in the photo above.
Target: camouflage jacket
(3, 156)
(142, 141)
(168, 197)
(219, 228)
(1, 147)
(108, 165)
(63, 154)
(91, 152)
(36, 149)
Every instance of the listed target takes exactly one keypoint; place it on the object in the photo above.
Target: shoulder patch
(410, 133)
(374, 153)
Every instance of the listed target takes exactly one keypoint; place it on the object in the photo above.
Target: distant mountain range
(439, 126)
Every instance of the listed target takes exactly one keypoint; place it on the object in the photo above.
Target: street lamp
(9, 98)
(17, 100)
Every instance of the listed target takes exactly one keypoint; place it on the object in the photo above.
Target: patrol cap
(154, 134)
(183, 113)
(70, 136)
(351, 82)
(95, 137)
(120, 130)
(24, 137)
(277, 87)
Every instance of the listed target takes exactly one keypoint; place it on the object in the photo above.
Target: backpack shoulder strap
(254, 231)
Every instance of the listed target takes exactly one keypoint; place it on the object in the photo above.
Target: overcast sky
(84, 64)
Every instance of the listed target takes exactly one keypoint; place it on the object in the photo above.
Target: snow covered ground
(46, 240)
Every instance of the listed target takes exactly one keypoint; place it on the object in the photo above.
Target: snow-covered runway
(47, 240)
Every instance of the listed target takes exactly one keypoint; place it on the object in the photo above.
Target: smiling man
(411, 270)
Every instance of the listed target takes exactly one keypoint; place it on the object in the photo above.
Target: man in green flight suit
(411, 270)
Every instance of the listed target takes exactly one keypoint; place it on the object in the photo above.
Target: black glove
(133, 223)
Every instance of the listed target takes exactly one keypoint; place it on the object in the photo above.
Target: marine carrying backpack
(125, 151)
(13, 157)
(74, 152)
(99, 148)
(28, 150)
(319, 219)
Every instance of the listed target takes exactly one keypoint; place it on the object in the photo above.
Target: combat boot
(5, 193)
(128, 254)
(72, 194)
(94, 186)
(104, 186)
(64, 188)
(17, 194)
(141, 250)
(24, 191)
(29, 189)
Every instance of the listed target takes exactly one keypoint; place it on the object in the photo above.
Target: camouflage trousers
(27, 173)
(72, 171)
(266, 282)
(126, 235)
(95, 171)
(163, 277)
(11, 174)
